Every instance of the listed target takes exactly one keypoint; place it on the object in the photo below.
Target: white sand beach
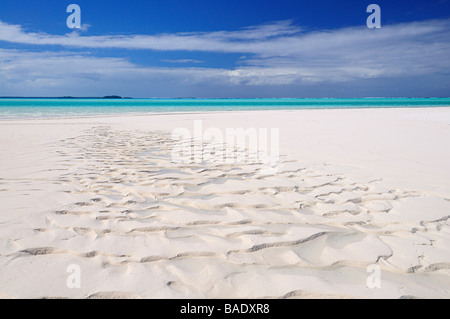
(354, 188)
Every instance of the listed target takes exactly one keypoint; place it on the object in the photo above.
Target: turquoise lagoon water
(57, 108)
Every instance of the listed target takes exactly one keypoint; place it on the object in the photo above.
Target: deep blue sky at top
(149, 17)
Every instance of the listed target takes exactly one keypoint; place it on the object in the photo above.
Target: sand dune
(104, 194)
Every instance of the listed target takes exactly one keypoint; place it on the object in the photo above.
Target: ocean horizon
(47, 108)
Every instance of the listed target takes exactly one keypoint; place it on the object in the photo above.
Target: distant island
(112, 97)
(104, 97)
(65, 97)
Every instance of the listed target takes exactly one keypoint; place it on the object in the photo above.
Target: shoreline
(132, 115)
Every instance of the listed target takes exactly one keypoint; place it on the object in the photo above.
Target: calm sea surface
(57, 108)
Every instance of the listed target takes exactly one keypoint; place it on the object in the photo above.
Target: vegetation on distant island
(112, 97)
(104, 97)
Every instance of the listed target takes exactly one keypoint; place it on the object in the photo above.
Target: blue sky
(227, 48)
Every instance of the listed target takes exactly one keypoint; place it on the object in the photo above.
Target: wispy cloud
(181, 61)
(85, 27)
(218, 41)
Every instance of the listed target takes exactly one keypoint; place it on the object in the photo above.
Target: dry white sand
(354, 188)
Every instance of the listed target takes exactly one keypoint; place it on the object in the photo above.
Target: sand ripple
(131, 218)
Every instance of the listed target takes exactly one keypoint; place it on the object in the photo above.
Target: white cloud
(277, 54)
(181, 61)
(277, 39)
(85, 27)
(218, 41)
(44, 73)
